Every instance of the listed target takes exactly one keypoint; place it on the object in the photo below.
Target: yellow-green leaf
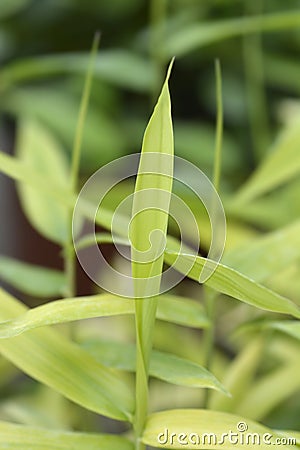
(52, 359)
(30, 279)
(164, 366)
(280, 166)
(39, 151)
(13, 437)
(170, 308)
(150, 214)
(230, 282)
(202, 429)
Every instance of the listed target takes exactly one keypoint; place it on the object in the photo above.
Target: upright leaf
(148, 235)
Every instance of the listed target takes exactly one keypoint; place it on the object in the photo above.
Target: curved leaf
(31, 279)
(274, 251)
(50, 358)
(281, 165)
(197, 35)
(170, 308)
(198, 429)
(230, 282)
(164, 366)
(119, 67)
(21, 437)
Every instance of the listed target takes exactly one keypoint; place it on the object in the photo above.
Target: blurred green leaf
(280, 166)
(30, 279)
(50, 358)
(182, 310)
(102, 139)
(67, 310)
(289, 327)
(239, 376)
(282, 71)
(39, 151)
(10, 7)
(120, 67)
(197, 35)
(263, 257)
(270, 391)
(206, 424)
(19, 171)
(290, 434)
(14, 437)
(277, 209)
(164, 366)
(230, 282)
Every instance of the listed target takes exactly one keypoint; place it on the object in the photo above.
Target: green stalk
(210, 295)
(70, 261)
(147, 269)
(256, 96)
(144, 331)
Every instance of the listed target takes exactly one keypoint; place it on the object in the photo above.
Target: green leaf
(68, 310)
(10, 7)
(239, 376)
(270, 391)
(181, 310)
(119, 67)
(14, 437)
(280, 166)
(168, 429)
(164, 366)
(60, 116)
(150, 213)
(170, 308)
(39, 151)
(230, 282)
(50, 358)
(273, 251)
(198, 35)
(30, 176)
(277, 209)
(33, 280)
(289, 327)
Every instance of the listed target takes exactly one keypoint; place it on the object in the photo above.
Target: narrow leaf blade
(30, 279)
(14, 437)
(51, 359)
(230, 282)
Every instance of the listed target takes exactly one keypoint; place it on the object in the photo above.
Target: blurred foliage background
(44, 48)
